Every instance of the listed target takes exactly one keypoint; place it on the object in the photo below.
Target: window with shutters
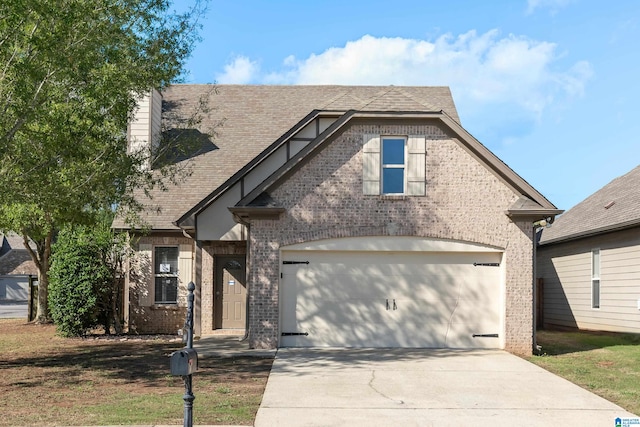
(394, 165)
(165, 269)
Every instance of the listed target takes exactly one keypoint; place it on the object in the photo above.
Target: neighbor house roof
(246, 119)
(14, 258)
(615, 206)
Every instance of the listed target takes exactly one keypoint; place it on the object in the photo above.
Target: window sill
(165, 306)
(393, 197)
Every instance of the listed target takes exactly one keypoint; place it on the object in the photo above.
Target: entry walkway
(372, 388)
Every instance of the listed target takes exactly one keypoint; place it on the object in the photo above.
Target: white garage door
(391, 299)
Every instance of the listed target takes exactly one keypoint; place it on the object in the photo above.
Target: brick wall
(155, 318)
(324, 199)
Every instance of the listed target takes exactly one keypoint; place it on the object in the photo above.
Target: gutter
(594, 232)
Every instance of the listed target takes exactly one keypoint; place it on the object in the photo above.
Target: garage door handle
(395, 307)
(387, 304)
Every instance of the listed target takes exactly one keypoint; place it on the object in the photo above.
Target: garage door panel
(344, 286)
(391, 299)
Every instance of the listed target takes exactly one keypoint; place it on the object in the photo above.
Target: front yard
(47, 380)
(606, 364)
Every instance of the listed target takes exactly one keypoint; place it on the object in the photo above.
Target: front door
(230, 293)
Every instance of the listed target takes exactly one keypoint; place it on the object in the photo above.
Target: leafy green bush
(81, 279)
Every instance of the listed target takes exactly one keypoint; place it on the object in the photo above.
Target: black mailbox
(184, 362)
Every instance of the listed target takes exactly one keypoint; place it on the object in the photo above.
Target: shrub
(80, 279)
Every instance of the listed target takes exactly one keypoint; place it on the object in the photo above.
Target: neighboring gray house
(16, 266)
(589, 261)
(352, 216)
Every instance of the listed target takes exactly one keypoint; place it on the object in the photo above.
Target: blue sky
(550, 86)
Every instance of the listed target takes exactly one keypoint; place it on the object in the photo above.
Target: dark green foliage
(81, 279)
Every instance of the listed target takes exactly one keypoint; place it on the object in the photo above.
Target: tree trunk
(116, 296)
(42, 314)
(115, 304)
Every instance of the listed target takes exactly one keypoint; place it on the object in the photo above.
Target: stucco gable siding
(566, 271)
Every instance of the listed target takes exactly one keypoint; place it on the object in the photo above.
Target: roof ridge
(341, 95)
(377, 96)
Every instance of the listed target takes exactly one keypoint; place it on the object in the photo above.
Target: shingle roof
(14, 258)
(614, 206)
(253, 117)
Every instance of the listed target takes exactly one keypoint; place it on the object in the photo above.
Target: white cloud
(513, 77)
(552, 5)
(240, 71)
(482, 69)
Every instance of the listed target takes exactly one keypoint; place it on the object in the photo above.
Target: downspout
(534, 317)
(537, 228)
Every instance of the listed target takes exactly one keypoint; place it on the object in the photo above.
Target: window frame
(172, 275)
(596, 265)
(404, 166)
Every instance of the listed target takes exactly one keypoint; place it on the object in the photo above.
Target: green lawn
(606, 364)
(47, 380)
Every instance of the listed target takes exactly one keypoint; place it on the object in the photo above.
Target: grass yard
(606, 364)
(47, 380)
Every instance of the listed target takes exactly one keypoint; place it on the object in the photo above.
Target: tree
(71, 72)
(80, 279)
(86, 282)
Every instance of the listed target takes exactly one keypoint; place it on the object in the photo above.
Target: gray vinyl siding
(566, 271)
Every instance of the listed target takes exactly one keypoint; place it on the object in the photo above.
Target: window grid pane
(393, 165)
(595, 278)
(393, 181)
(166, 274)
(595, 296)
(393, 151)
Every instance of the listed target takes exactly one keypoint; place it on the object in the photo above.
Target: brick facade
(149, 318)
(324, 199)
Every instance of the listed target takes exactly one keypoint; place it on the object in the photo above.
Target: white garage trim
(391, 292)
(390, 243)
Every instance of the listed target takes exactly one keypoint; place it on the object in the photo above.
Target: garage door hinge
(295, 262)
(486, 264)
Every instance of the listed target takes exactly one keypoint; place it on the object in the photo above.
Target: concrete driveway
(380, 387)
(13, 309)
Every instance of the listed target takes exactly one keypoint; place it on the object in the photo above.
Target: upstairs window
(393, 165)
(166, 274)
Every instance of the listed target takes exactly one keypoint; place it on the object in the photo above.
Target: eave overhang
(594, 232)
(245, 213)
(460, 135)
(525, 209)
(533, 214)
(538, 208)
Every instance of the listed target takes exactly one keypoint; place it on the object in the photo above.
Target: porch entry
(230, 292)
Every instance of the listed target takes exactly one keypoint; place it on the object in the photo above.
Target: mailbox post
(185, 362)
